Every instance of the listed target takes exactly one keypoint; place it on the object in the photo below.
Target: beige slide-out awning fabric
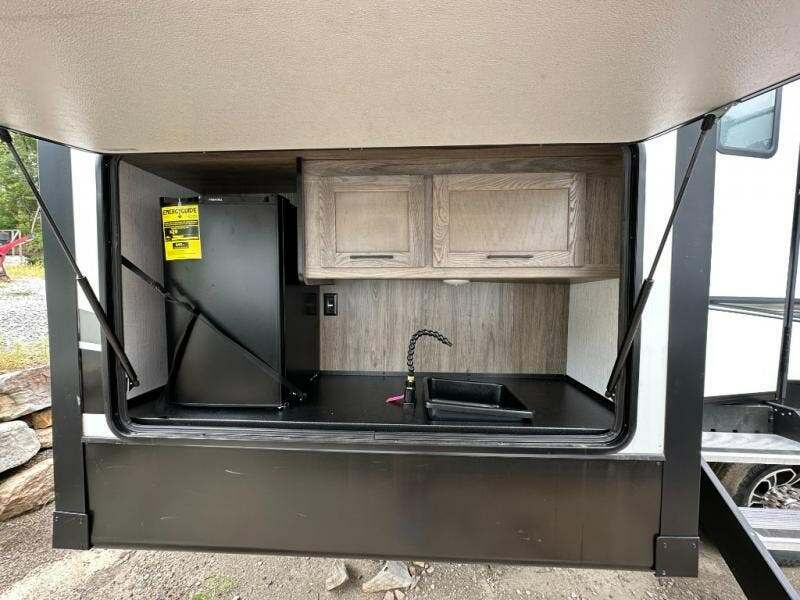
(172, 75)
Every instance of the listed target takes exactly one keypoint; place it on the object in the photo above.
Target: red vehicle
(7, 246)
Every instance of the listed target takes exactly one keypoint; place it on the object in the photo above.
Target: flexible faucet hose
(412, 345)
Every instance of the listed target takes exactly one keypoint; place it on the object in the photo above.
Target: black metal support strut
(789, 302)
(647, 284)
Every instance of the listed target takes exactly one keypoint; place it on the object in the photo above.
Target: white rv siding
(83, 173)
(753, 205)
(659, 198)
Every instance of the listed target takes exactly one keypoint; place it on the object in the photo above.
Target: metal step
(779, 529)
(751, 563)
(754, 448)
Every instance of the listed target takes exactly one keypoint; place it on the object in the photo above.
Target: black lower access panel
(246, 282)
(591, 512)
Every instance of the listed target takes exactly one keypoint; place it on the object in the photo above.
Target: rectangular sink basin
(451, 400)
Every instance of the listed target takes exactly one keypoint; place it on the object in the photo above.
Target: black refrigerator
(246, 282)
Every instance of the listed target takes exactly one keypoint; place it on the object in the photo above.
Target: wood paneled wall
(602, 224)
(494, 327)
(143, 317)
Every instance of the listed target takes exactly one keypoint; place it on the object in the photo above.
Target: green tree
(17, 204)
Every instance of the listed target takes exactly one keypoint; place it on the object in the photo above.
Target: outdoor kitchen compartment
(535, 335)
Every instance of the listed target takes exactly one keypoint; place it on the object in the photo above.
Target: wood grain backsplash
(494, 327)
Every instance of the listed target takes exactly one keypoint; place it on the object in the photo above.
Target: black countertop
(559, 404)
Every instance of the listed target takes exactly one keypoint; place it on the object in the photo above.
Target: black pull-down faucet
(409, 395)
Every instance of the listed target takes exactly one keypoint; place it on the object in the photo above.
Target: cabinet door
(508, 220)
(372, 221)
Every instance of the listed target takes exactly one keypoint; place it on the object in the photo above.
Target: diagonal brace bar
(647, 285)
(198, 315)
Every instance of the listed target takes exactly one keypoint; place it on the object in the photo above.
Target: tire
(740, 480)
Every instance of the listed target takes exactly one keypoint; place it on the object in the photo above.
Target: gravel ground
(30, 570)
(23, 312)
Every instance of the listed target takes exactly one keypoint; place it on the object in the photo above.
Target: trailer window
(751, 127)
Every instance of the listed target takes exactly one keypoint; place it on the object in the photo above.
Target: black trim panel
(368, 504)
(70, 530)
(92, 381)
(55, 179)
(686, 349)
(677, 556)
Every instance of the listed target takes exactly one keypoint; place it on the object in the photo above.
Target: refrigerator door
(237, 284)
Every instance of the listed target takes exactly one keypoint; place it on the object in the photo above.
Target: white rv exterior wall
(83, 172)
(753, 205)
(659, 198)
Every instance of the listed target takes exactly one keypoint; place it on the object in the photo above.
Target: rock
(27, 488)
(420, 563)
(45, 437)
(429, 570)
(18, 444)
(24, 392)
(40, 420)
(337, 577)
(388, 596)
(392, 576)
(399, 595)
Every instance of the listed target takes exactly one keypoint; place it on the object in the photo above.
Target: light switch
(330, 305)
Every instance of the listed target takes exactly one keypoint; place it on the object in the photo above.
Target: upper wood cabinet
(370, 221)
(508, 220)
(516, 218)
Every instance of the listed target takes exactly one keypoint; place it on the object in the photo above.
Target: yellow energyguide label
(181, 225)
